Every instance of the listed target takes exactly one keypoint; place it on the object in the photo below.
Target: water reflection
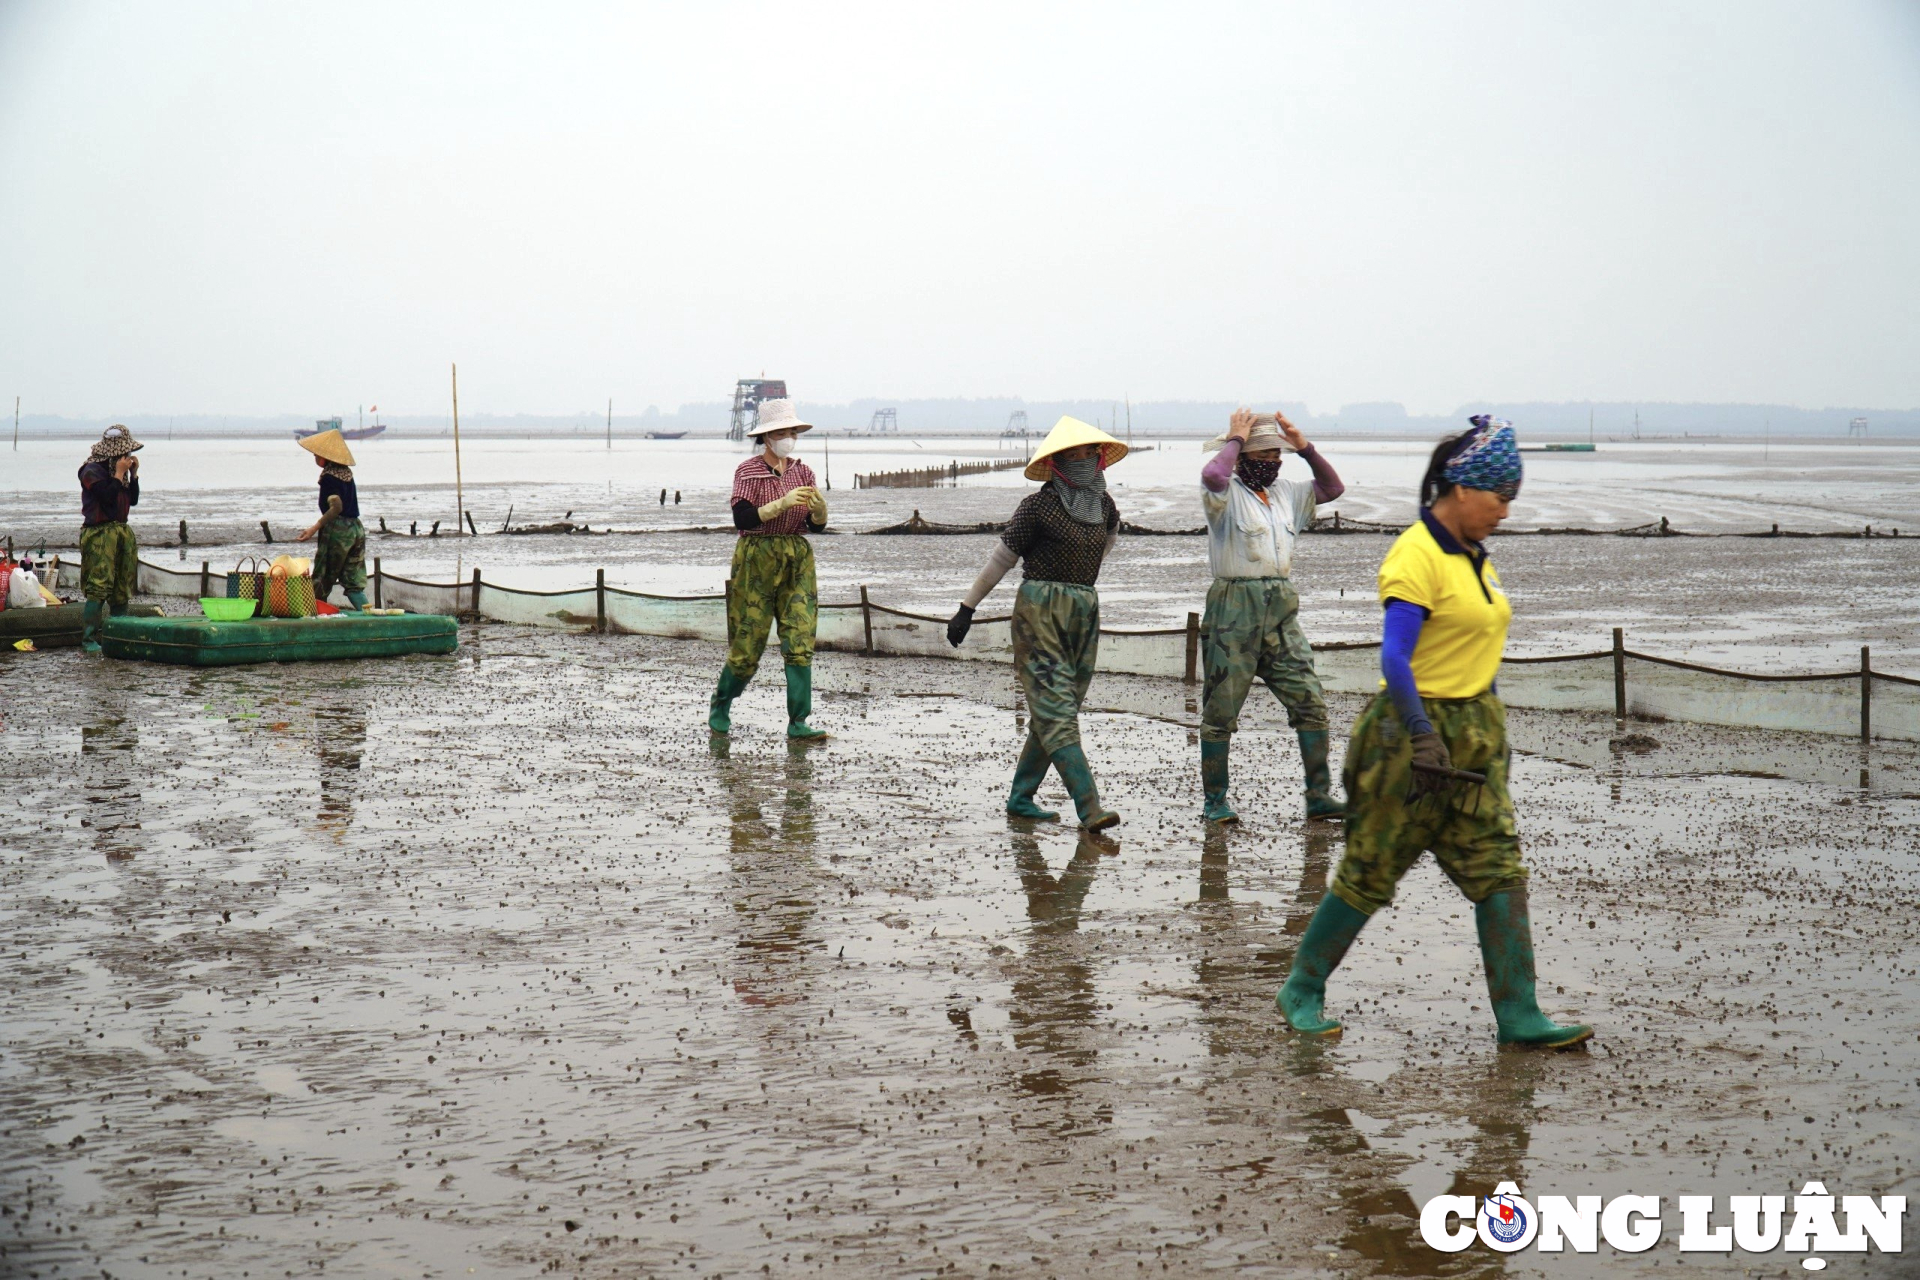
(109, 761)
(1054, 1012)
(1380, 1194)
(339, 744)
(775, 881)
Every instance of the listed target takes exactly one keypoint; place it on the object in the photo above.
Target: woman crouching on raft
(775, 506)
(341, 556)
(1444, 633)
(1063, 532)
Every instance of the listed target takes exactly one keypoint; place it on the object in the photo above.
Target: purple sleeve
(1326, 482)
(1218, 472)
(1399, 634)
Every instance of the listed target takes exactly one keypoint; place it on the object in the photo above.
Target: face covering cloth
(1257, 474)
(1079, 486)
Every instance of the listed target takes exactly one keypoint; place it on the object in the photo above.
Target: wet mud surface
(492, 965)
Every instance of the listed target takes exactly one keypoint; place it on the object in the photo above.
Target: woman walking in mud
(775, 506)
(1253, 614)
(1438, 715)
(1063, 532)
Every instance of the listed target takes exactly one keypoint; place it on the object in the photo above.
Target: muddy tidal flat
(495, 965)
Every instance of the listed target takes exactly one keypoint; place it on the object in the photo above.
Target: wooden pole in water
(600, 600)
(1619, 674)
(1866, 694)
(459, 490)
(1193, 648)
(866, 620)
(378, 602)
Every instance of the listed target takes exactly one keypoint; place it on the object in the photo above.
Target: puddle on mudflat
(496, 962)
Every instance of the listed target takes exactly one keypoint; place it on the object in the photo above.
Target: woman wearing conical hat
(109, 555)
(1444, 630)
(341, 556)
(1063, 533)
(775, 505)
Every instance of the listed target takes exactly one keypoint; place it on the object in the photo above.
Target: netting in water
(1653, 687)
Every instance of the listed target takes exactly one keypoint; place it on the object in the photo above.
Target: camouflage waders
(109, 563)
(1470, 830)
(1253, 632)
(772, 582)
(340, 558)
(1056, 641)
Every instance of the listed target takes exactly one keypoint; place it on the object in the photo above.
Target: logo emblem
(1506, 1218)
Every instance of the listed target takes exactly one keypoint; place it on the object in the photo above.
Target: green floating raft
(201, 642)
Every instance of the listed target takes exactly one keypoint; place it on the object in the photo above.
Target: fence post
(476, 594)
(206, 587)
(378, 602)
(1866, 694)
(600, 600)
(1619, 674)
(1193, 646)
(866, 620)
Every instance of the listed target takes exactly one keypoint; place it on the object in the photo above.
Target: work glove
(780, 505)
(959, 625)
(1429, 751)
(816, 504)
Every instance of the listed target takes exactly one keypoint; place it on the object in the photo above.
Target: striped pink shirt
(758, 483)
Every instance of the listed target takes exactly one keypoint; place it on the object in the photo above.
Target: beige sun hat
(114, 446)
(1265, 435)
(330, 445)
(777, 415)
(1067, 434)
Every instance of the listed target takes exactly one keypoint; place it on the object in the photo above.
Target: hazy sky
(265, 207)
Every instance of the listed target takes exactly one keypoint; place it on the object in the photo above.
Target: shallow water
(1757, 605)
(492, 965)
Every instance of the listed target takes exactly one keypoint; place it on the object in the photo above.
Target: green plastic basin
(222, 609)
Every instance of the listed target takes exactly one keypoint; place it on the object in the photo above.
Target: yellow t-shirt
(1465, 634)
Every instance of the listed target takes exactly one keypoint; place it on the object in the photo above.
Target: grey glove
(1430, 754)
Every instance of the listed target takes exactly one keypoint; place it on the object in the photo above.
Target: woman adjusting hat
(1253, 614)
(341, 556)
(1438, 715)
(1063, 532)
(109, 555)
(775, 505)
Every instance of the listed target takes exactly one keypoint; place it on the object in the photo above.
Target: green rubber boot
(358, 599)
(1027, 777)
(1213, 782)
(119, 610)
(1303, 996)
(1506, 945)
(1071, 763)
(800, 704)
(90, 625)
(1313, 756)
(720, 710)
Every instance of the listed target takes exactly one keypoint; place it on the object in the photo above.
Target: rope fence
(1860, 702)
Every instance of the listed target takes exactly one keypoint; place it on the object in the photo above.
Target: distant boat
(665, 435)
(333, 424)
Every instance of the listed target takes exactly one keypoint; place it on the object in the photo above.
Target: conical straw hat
(330, 445)
(1067, 433)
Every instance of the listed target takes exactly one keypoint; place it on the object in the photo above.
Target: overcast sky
(268, 208)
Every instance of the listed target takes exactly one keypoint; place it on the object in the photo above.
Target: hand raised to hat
(1240, 425)
(125, 467)
(1294, 435)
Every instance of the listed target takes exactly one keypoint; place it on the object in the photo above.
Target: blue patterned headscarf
(1488, 458)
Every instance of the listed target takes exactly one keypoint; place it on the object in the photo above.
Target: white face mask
(781, 448)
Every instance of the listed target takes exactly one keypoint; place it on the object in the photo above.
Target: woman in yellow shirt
(1444, 632)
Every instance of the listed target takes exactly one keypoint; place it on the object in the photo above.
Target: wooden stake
(1866, 694)
(378, 603)
(1193, 647)
(600, 600)
(1619, 674)
(866, 619)
(459, 491)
